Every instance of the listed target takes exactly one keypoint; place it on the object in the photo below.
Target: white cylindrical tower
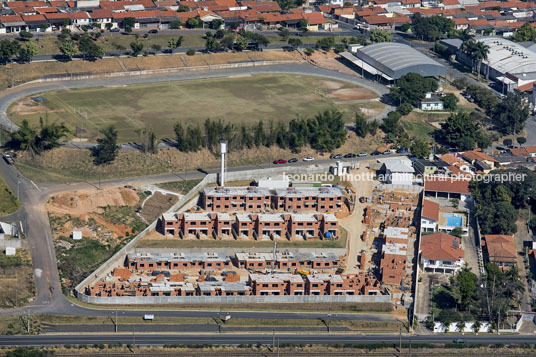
(223, 150)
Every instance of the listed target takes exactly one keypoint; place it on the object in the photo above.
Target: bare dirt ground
(354, 223)
(329, 60)
(156, 204)
(86, 207)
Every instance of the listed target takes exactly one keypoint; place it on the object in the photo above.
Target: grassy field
(8, 201)
(182, 187)
(240, 99)
(16, 280)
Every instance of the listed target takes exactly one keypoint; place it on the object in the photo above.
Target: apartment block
(151, 262)
(235, 199)
(286, 260)
(303, 199)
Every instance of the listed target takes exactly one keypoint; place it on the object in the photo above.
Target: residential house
(441, 253)
(429, 216)
(500, 249)
(431, 102)
(398, 172)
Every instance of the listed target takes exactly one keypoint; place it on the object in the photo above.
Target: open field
(240, 99)
(16, 280)
(8, 201)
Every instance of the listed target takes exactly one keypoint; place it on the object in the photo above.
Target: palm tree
(468, 48)
(460, 326)
(480, 54)
(465, 34)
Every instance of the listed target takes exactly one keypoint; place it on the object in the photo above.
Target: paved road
(305, 69)
(253, 339)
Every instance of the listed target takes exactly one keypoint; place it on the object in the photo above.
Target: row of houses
(47, 16)
(394, 255)
(486, 17)
(256, 199)
(257, 285)
(148, 263)
(253, 225)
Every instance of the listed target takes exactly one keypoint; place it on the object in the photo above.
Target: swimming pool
(453, 220)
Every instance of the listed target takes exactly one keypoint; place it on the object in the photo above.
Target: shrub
(521, 140)
(190, 52)
(507, 142)
(460, 83)
(405, 108)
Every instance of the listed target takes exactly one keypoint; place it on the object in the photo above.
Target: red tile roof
(441, 246)
(314, 18)
(447, 184)
(30, 18)
(501, 248)
(10, 18)
(430, 210)
(477, 155)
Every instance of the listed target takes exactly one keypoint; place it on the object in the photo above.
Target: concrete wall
(12, 243)
(138, 300)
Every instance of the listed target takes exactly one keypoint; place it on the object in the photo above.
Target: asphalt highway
(253, 339)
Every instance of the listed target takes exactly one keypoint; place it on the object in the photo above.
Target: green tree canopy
(106, 150)
(378, 35)
(511, 114)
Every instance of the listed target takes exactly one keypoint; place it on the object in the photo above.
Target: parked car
(280, 161)
(458, 340)
(402, 151)
(117, 29)
(387, 152)
(335, 156)
(293, 160)
(308, 158)
(362, 154)
(349, 156)
(374, 153)
(153, 31)
(8, 159)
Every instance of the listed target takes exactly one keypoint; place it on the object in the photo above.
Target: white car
(362, 154)
(308, 158)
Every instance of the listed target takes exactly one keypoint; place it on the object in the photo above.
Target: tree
(339, 47)
(460, 326)
(190, 52)
(431, 28)
(391, 123)
(69, 49)
(455, 202)
(89, 48)
(24, 138)
(457, 232)
(450, 102)
(309, 51)
(373, 127)
(294, 42)
(106, 150)
(175, 24)
(284, 33)
(46, 138)
(109, 26)
(477, 51)
(511, 114)
(27, 51)
(302, 25)
(464, 34)
(216, 24)
(183, 8)
(405, 108)
(129, 23)
(378, 35)
(136, 47)
(420, 148)
(412, 87)
(8, 49)
(460, 83)
(525, 33)
(194, 22)
(460, 131)
(148, 140)
(476, 326)
(156, 47)
(521, 140)
(325, 44)
(361, 125)
(25, 35)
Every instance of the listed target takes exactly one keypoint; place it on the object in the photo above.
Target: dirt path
(522, 235)
(354, 223)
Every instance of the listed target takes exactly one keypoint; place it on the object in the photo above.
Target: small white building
(441, 253)
(398, 172)
(77, 235)
(431, 102)
(429, 216)
(11, 251)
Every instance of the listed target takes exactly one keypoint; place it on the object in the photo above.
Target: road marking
(33, 183)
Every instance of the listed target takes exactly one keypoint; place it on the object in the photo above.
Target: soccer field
(239, 99)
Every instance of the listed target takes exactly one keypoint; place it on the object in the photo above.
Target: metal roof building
(510, 63)
(392, 60)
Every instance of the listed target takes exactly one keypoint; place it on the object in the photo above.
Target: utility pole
(400, 336)
(116, 320)
(273, 340)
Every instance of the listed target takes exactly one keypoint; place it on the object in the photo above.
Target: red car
(280, 161)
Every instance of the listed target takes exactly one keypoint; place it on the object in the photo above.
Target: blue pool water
(453, 220)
